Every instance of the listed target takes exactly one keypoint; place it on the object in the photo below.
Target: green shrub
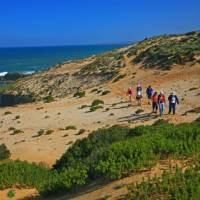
(17, 117)
(94, 108)
(4, 152)
(85, 147)
(39, 133)
(7, 113)
(17, 131)
(107, 109)
(11, 129)
(70, 127)
(96, 102)
(105, 92)
(48, 99)
(79, 94)
(172, 185)
(48, 132)
(137, 148)
(11, 194)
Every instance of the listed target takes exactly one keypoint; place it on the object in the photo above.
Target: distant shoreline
(29, 59)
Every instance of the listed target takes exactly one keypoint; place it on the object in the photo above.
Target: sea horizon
(29, 59)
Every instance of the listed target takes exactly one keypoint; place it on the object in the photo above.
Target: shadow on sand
(76, 193)
(138, 117)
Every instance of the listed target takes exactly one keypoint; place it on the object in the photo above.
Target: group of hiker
(157, 100)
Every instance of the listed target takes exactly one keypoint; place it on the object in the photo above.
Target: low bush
(79, 94)
(7, 113)
(48, 132)
(97, 102)
(16, 131)
(172, 185)
(105, 92)
(39, 133)
(11, 194)
(17, 117)
(48, 99)
(94, 108)
(70, 127)
(4, 152)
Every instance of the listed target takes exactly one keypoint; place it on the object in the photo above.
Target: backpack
(161, 98)
(129, 91)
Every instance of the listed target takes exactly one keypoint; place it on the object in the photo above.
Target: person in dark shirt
(149, 92)
(173, 101)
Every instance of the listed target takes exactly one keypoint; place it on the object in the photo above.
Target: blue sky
(69, 22)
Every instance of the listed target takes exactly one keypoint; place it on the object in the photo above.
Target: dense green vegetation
(106, 153)
(164, 51)
(176, 185)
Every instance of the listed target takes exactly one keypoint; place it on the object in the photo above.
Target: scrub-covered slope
(161, 52)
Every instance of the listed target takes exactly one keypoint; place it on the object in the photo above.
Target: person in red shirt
(155, 102)
(129, 93)
(161, 103)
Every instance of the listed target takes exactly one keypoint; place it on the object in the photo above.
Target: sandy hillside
(55, 116)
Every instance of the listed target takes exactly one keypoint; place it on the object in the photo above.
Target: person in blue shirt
(173, 101)
(149, 92)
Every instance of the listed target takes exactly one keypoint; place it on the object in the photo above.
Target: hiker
(155, 102)
(130, 94)
(173, 100)
(149, 92)
(139, 94)
(161, 103)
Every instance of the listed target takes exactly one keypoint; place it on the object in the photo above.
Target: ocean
(31, 59)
